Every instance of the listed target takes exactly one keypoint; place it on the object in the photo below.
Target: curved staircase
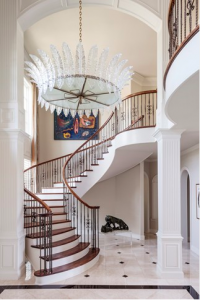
(62, 231)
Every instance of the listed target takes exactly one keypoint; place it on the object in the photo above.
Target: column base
(169, 263)
(13, 275)
(12, 257)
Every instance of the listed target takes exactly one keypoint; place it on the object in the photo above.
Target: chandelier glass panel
(78, 84)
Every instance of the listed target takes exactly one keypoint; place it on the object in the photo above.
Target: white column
(12, 245)
(169, 259)
(142, 237)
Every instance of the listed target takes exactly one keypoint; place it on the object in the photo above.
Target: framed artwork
(75, 128)
(198, 201)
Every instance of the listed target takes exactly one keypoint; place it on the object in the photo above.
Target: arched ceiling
(120, 32)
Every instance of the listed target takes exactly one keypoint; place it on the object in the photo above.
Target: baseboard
(12, 275)
(194, 249)
(170, 274)
(153, 231)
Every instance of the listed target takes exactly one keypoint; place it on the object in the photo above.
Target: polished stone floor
(123, 261)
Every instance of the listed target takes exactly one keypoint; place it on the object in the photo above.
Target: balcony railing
(182, 21)
(183, 25)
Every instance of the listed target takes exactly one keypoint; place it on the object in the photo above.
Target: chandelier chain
(80, 21)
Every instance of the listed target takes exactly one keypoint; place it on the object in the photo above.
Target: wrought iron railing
(182, 21)
(38, 226)
(136, 111)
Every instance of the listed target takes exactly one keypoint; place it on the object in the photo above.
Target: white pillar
(12, 245)
(142, 237)
(169, 259)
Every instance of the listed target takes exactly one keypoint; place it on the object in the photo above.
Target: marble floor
(123, 261)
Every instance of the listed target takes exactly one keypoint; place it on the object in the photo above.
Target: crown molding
(144, 81)
(189, 150)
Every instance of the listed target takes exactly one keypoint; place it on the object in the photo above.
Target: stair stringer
(127, 138)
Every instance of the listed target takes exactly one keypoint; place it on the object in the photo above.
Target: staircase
(62, 231)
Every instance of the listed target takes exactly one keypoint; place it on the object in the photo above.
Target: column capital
(167, 133)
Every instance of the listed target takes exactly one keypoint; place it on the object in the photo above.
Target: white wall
(119, 196)
(190, 162)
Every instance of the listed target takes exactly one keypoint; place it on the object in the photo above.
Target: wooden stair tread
(100, 158)
(80, 262)
(94, 164)
(34, 224)
(72, 251)
(60, 242)
(58, 213)
(54, 232)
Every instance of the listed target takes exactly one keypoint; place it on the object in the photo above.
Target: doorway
(185, 207)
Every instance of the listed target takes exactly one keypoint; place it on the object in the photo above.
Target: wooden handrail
(182, 17)
(67, 155)
(111, 138)
(139, 93)
(45, 162)
(63, 172)
(38, 200)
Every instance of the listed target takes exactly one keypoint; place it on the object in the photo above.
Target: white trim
(41, 9)
(191, 149)
(144, 81)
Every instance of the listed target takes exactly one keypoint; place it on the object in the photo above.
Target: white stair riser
(50, 196)
(62, 247)
(69, 259)
(55, 250)
(66, 274)
(57, 209)
(58, 217)
(54, 203)
(62, 236)
(55, 190)
(60, 184)
(61, 225)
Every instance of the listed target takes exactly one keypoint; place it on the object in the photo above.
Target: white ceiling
(106, 28)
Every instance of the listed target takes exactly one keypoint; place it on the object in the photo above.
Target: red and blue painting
(75, 128)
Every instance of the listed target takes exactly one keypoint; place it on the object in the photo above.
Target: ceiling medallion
(76, 84)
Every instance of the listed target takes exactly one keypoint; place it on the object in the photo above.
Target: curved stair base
(69, 270)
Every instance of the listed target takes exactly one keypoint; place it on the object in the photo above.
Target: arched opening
(146, 203)
(185, 207)
(154, 205)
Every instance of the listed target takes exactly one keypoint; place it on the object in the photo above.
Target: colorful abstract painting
(75, 128)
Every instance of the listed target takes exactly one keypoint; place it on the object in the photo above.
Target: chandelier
(78, 85)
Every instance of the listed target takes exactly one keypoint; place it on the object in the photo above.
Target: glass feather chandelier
(78, 85)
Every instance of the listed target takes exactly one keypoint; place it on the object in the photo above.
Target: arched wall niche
(32, 11)
(185, 174)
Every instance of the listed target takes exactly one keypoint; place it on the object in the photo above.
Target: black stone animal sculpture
(113, 223)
